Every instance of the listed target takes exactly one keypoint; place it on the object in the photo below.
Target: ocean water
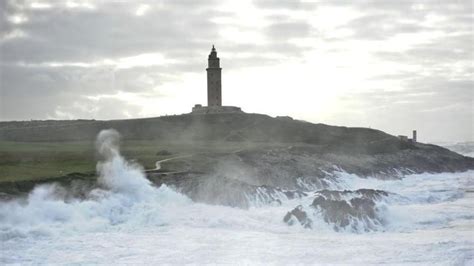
(427, 219)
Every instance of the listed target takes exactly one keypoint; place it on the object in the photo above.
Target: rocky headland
(277, 158)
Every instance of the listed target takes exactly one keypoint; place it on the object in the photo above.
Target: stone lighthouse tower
(214, 90)
(214, 85)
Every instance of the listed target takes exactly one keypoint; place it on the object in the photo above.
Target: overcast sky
(392, 65)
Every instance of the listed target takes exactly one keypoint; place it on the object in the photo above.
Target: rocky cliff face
(240, 178)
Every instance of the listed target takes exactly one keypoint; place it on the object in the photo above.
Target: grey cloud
(288, 30)
(249, 61)
(279, 47)
(33, 93)
(438, 56)
(109, 31)
(439, 94)
(438, 108)
(284, 4)
(444, 91)
(421, 94)
(103, 108)
(7, 8)
(18, 81)
(61, 106)
(178, 30)
(4, 25)
(25, 108)
(409, 8)
(25, 81)
(260, 55)
(381, 26)
(385, 19)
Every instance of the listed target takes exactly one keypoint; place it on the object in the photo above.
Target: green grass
(26, 161)
(36, 160)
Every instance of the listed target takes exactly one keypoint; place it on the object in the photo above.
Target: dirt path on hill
(158, 163)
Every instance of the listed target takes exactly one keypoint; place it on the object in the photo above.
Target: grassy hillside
(37, 160)
(38, 149)
(211, 127)
(22, 160)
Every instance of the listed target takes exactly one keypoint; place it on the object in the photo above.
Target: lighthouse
(214, 79)
(214, 89)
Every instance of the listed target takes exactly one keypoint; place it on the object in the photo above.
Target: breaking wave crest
(124, 196)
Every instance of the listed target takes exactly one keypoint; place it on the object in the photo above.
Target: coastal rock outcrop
(342, 210)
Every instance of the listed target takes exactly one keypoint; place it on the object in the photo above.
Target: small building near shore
(405, 138)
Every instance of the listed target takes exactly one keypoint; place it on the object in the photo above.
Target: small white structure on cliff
(214, 89)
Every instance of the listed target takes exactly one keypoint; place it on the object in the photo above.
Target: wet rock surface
(297, 215)
(224, 191)
(343, 210)
(75, 185)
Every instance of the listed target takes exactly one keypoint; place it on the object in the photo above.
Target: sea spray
(115, 173)
(124, 196)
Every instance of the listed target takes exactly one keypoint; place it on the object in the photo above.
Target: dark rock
(300, 215)
(360, 211)
(215, 189)
(77, 185)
